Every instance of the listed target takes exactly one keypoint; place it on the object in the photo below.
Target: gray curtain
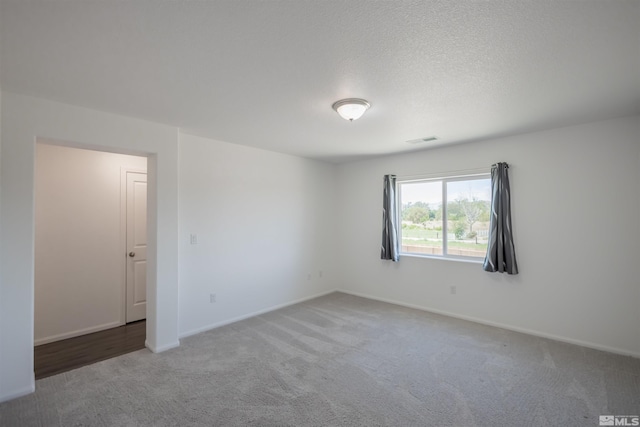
(501, 253)
(389, 249)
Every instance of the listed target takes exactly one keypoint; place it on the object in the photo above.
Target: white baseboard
(77, 333)
(253, 314)
(533, 332)
(162, 347)
(22, 392)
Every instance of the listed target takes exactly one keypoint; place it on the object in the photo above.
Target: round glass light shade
(351, 109)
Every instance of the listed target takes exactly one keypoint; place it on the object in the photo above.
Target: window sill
(467, 260)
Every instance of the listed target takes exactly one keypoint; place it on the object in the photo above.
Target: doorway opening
(90, 256)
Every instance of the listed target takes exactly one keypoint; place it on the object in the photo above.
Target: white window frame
(445, 178)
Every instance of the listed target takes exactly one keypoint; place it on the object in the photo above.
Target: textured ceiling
(265, 73)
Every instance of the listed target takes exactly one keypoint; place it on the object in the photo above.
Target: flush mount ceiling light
(351, 108)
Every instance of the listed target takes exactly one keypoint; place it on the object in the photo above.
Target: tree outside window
(445, 217)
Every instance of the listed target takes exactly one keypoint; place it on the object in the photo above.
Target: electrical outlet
(212, 298)
(193, 238)
(308, 276)
(454, 290)
(320, 274)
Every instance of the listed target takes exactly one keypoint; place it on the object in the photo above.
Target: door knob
(132, 254)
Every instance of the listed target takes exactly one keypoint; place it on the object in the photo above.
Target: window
(445, 217)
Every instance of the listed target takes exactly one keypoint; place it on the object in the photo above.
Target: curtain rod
(446, 174)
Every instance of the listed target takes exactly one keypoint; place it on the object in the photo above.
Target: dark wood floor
(72, 353)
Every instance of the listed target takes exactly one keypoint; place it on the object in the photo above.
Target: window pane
(468, 210)
(421, 216)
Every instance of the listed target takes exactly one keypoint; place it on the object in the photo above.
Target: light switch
(194, 239)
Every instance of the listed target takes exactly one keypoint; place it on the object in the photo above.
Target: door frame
(123, 236)
(26, 119)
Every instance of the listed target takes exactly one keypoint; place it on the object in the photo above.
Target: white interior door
(136, 246)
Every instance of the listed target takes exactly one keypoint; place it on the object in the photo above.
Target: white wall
(264, 222)
(575, 217)
(79, 249)
(24, 119)
(313, 216)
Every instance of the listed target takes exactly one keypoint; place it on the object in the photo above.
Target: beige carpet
(341, 360)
